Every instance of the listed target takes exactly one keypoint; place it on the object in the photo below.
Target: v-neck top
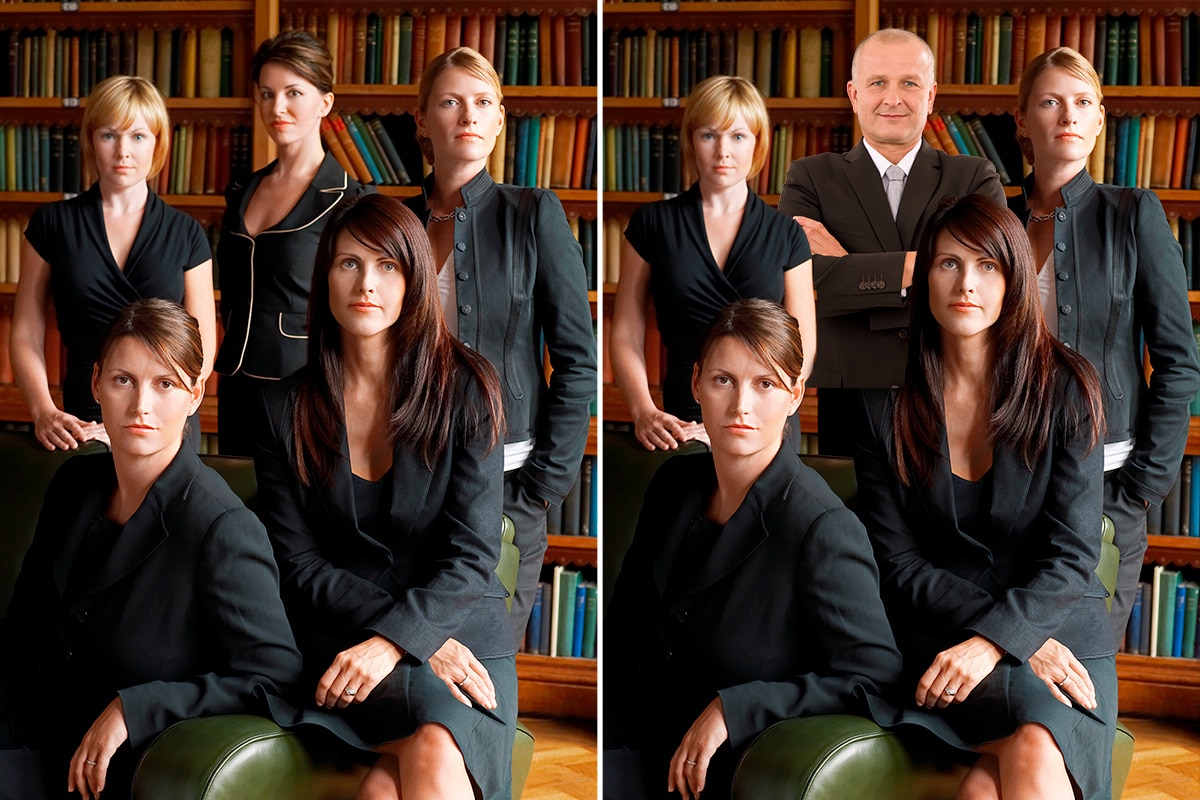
(689, 288)
(972, 506)
(89, 288)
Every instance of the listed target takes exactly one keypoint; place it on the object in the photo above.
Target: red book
(1180, 160)
(558, 49)
(1174, 50)
(471, 32)
(1020, 30)
(6, 372)
(224, 156)
(1072, 32)
(582, 125)
(573, 34)
(453, 31)
(1054, 31)
(487, 37)
(420, 33)
(1087, 37)
(1158, 50)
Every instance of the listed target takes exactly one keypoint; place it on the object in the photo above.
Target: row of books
(577, 514)
(966, 135)
(1162, 621)
(1187, 231)
(647, 158)
(787, 62)
(562, 619)
(585, 234)
(1126, 50)
(1179, 514)
(47, 158)
(526, 50)
(182, 62)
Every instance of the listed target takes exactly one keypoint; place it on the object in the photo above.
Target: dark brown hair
(765, 328)
(167, 331)
(299, 51)
(433, 374)
(1029, 368)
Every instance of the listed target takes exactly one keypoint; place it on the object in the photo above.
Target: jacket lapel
(868, 187)
(145, 530)
(939, 499)
(1011, 482)
(922, 182)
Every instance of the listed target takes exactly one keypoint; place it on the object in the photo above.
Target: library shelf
(402, 99)
(1158, 686)
(579, 551)
(557, 686)
(1183, 551)
(91, 13)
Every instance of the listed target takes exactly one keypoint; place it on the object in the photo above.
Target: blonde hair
(717, 101)
(117, 101)
(463, 58)
(1066, 59)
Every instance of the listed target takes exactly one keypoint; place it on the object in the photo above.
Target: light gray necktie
(895, 187)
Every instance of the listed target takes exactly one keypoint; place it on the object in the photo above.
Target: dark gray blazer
(513, 308)
(1033, 579)
(862, 323)
(181, 619)
(782, 620)
(432, 580)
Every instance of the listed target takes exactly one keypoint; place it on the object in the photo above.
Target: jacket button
(81, 615)
(1060, 246)
(1067, 345)
(1062, 215)
(465, 308)
(1062, 276)
(902, 333)
(680, 615)
(1066, 309)
(462, 275)
(467, 345)
(462, 216)
(460, 246)
(862, 286)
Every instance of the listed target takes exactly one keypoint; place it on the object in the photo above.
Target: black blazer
(1033, 579)
(434, 579)
(862, 322)
(182, 618)
(782, 620)
(265, 279)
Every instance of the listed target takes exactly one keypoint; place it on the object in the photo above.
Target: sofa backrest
(25, 471)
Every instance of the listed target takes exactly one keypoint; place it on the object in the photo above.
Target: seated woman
(149, 594)
(380, 483)
(980, 486)
(749, 594)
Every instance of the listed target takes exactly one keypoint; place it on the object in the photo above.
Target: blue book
(1145, 590)
(956, 135)
(532, 143)
(1133, 633)
(1180, 608)
(589, 623)
(581, 614)
(544, 631)
(521, 151)
(1119, 153)
(1194, 507)
(1131, 156)
(533, 631)
(364, 151)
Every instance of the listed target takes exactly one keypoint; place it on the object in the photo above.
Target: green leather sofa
(234, 757)
(830, 757)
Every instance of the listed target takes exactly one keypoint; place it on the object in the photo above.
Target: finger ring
(89, 762)
(351, 692)
(1066, 679)
(692, 763)
(466, 679)
(951, 692)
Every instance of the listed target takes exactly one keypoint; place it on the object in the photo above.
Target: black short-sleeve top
(689, 288)
(89, 288)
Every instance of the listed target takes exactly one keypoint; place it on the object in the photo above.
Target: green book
(404, 50)
(1189, 618)
(1164, 605)
(1112, 51)
(826, 62)
(1130, 49)
(226, 62)
(566, 582)
(385, 169)
(389, 149)
(531, 53)
(1132, 142)
(43, 144)
(589, 621)
(1004, 53)
(20, 155)
(980, 135)
(512, 53)
(532, 143)
(4, 170)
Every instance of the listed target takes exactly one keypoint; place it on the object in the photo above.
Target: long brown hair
(433, 374)
(1030, 367)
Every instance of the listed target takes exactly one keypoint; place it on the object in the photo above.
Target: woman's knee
(982, 781)
(433, 743)
(1032, 744)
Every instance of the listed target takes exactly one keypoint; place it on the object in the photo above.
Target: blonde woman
(696, 253)
(97, 252)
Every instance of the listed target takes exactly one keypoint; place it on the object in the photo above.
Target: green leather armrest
(510, 558)
(841, 756)
(242, 757)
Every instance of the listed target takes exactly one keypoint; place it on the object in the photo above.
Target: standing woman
(513, 286)
(695, 253)
(980, 487)
(149, 594)
(270, 231)
(380, 485)
(697, 662)
(1112, 285)
(97, 252)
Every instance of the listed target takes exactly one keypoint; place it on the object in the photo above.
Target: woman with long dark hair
(980, 487)
(379, 478)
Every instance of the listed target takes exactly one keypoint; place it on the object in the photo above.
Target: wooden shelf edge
(634, 9)
(92, 9)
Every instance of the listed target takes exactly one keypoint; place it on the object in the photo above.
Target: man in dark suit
(863, 224)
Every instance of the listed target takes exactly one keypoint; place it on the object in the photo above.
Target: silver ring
(466, 679)
(1066, 679)
(951, 692)
(89, 762)
(692, 763)
(351, 692)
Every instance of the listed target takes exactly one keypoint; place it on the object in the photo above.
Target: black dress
(89, 288)
(689, 289)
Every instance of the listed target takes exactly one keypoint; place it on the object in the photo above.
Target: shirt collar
(881, 163)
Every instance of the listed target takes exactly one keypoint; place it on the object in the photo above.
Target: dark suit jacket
(862, 323)
(181, 619)
(1033, 577)
(432, 580)
(265, 279)
(782, 620)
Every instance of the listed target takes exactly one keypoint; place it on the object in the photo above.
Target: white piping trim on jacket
(284, 333)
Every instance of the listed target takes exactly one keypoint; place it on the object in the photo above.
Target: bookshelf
(555, 686)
